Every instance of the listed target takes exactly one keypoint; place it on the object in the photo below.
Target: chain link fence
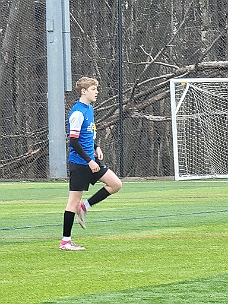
(160, 40)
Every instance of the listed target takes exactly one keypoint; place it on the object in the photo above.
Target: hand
(99, 153)
(94, 167)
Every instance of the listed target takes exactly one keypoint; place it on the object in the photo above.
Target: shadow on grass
(200, 291)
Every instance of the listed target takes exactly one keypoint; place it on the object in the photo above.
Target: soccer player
(84, 162)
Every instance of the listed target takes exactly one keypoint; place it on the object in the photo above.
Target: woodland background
(162, 39)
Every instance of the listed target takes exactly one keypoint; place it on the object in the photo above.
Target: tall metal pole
(120, 87)
(56, 109)
(66, 46)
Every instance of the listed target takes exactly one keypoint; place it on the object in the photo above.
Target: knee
(113, 183)
(118, 185)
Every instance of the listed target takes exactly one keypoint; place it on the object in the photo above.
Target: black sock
(98, 196)
(68, 221)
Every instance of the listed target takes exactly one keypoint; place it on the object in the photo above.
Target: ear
(83, 91)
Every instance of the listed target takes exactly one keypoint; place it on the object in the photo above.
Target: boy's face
(90, 93)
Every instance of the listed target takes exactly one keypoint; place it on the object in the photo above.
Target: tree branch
(160, 52)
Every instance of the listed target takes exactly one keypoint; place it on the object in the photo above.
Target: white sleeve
(76, 119)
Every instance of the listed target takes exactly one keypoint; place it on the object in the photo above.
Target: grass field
(153, 242)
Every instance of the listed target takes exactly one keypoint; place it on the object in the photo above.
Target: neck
(84, 100)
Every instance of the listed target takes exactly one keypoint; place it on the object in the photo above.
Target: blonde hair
(85, 83)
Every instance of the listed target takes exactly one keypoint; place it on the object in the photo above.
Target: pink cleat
(81, 215)
(68, 245)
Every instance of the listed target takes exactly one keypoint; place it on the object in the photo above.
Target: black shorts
(81, 176)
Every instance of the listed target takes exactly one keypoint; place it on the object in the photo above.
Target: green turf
(153, 242)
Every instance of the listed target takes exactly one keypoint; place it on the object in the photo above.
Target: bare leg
(112, 182)
(74, 201)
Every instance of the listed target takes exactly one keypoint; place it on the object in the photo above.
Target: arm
(78, 148)
(98, 152)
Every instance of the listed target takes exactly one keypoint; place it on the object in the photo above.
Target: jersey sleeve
(76, 119)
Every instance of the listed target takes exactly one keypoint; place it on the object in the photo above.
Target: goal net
(200, 127)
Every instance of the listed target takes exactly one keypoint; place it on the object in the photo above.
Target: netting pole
(120, 86)
(56, 108)
(174, 130)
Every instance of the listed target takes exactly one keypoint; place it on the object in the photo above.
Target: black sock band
(98, 196)
(68, 222)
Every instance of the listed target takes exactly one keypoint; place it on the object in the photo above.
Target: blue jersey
(81, 126)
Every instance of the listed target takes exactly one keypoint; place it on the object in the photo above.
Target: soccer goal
(200, 127)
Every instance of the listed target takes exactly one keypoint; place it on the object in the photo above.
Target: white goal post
(200, 127)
